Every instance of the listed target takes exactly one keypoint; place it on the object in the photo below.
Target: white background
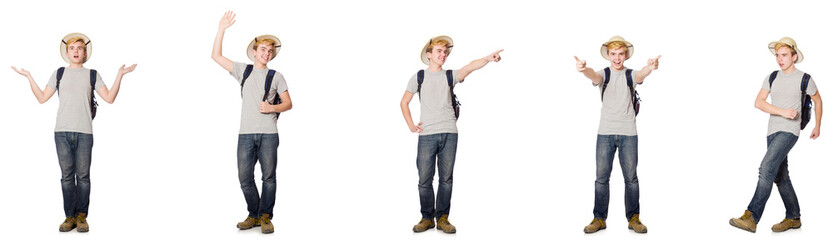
(164, 157)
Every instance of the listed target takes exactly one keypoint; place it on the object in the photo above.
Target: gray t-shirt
(74, 93)
(618, 116)
(436, 112)
(786, 94)
(251, 120)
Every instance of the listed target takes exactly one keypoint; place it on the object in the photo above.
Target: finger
(658, 57)
(498, 51)
(577, 60)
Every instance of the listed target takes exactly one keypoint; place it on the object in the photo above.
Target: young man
(617, 129)
(258, 139)
(782, 134)
(74, 125)
(437, 128)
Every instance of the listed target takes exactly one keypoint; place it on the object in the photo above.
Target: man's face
(263, 53)
(76, 53)
(438, 55)
(785, 58)
(617, 57)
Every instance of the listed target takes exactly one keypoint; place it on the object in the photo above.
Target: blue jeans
(774, 169)
(74, 156)
(252, 148)
(438, 150)
(606, 146)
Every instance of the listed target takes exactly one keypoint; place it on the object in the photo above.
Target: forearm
(281, 107)
(766, 107)
(643, 73)
(592, 75)
(217, 52)
(406, 113)
(818, 110)
(114, 91)
(36, 90)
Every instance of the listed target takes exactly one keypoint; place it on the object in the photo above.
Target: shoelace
(745, 216)
(264, 220)
(81, 219)
(636, 221)
(69, 219)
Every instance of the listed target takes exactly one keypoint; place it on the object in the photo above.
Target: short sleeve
(280, 84)
(412, 85)
(811, 87)
(237, 71)
(98, 81)
(53, 80)
(765, 85)
(601, 73)
(454, 78)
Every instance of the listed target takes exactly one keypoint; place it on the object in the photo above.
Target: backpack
(634, 95)
(806, 102)
(93, 103)
(448, 75)
(267, 87)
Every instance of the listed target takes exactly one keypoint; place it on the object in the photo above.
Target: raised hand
(227, 20)
(494, 57)
(581, 65)
(22, 72)
(654, 62)
(123, 71)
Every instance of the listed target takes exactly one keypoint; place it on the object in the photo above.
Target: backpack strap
(772, 78)
(420, 78)
(628, 73)
(93, 103)
(448, 75)
(58, 76)
(268, 86)
(607, 80)
(804, 81)
(246, 74)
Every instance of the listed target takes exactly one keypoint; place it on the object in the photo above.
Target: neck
(76, 65)
(789, 70)
(260, 65)
(435, 67)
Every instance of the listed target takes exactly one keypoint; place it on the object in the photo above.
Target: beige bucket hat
(789, 42)
(424, 56)
(87, 42)
(617, 39)
(252, 44)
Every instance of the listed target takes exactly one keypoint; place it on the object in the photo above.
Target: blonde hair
(616, 45)
(439, 42)
(77, 39)
(264, 41)
(780, 45)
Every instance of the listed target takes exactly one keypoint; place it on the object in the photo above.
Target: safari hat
(252, 45)
(617, 39)
(424, 56)
(86, 40)
(789, 42)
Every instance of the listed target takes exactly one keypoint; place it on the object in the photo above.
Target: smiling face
(77, 52)
(785, 57)
(263, 52)
(437, 54)
(617, 57)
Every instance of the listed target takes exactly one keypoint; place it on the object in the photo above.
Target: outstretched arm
(817, 102)
(653, 64)
(285, 105)
(406, 112)
(217, 51)
(477, 64)
(581, 66)
(761, 103)
(41, 95)
(109, 96)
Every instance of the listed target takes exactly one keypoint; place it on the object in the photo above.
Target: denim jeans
(74, 156)
(606, 146)
(253, 148)
(774, 169)
(438, 150)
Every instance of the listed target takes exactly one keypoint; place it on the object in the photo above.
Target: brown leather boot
(67, 225)
(424, 224)
(443, 224)
(248, 223)
(637, 225)
(595, 225)
(266, 224)
(787, 224)
(81, 222)
(745, 222)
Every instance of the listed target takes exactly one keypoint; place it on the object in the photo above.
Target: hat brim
(798, 52)
(603, 50)
(252, 45)
(87, 42)
(424, 54)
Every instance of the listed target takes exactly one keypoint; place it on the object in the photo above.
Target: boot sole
(83, 229)
(799, 226)
(601, 228)
(451, 231)
(739, 227)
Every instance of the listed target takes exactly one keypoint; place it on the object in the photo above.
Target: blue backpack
(267, 87)
(449, 76)
(806, 102)
(634, 95)
(93, 103)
